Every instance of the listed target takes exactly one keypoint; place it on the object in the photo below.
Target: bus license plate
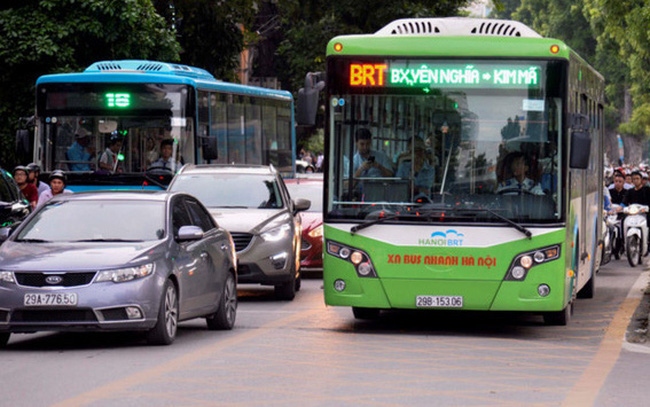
(439, 301)
(49, 299)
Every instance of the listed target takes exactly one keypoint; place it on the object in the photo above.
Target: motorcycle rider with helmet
(58, 180)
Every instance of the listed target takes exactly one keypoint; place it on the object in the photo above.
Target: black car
(13, 205)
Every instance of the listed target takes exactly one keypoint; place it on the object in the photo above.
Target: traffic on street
(304, 353)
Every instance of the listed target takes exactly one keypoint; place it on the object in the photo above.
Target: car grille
(54, 315)
(69, 279)
(242, 240)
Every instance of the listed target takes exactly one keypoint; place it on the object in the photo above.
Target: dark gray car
(117, 261)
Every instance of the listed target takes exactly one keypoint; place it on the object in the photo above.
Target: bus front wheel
(365, 313)
(559, 317)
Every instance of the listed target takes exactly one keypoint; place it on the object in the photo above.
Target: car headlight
(7, 277)
(125, 274)
(316, 232)
(276, 234)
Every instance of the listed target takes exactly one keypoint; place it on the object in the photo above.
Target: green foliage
(308, 25)
(210, 32)
(48, 36)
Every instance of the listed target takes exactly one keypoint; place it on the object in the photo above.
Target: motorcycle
(614, 234)
(635, 230)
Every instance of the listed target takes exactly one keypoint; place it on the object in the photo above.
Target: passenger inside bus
(80, 153)
(109, 161)
(414, 164)
(166, 160)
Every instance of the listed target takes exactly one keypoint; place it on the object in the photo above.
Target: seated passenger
(418, 168)
(519, 182)
(166, 161)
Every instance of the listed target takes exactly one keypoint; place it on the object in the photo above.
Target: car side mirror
(5, 232)
(300, 205)
(189, 233)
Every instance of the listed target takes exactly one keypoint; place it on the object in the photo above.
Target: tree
(308, 26)
(624, 24)
(48, 36)
(211, 33)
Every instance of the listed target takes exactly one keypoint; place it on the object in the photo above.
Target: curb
(637, 337)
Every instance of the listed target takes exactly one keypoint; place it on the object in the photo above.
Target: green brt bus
(482, 185)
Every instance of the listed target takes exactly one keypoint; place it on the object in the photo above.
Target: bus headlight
(358, 258)
(524, 262)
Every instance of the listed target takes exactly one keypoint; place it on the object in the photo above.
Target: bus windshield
(442, 141)
(115, 128)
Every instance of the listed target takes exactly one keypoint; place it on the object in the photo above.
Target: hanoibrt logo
(450, 237)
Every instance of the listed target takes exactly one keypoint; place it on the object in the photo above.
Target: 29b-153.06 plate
(439, 301)
(50, 299)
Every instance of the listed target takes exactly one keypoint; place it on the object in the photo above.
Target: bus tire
(589, 289)
(365, 313)
(559, 318)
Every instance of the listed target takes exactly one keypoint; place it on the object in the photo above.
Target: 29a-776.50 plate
(439, 301)
(50, 299)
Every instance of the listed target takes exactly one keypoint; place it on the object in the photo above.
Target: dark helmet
(34, 167)
(59, 175)
(21, 168)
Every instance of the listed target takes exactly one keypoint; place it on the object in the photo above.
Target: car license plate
(439, 301)
(49, 299)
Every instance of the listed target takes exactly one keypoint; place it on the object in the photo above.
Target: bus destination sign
(419, 74)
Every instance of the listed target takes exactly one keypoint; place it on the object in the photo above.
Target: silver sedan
(117, 261)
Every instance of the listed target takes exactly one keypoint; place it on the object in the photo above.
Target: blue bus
(143, 103)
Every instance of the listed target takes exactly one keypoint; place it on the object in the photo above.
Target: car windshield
(228, 190)
(95, 220)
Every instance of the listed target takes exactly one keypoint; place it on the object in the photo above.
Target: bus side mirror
(307, 104)
(209, 148)
(580, 143)
(23, 142)
(580, 147)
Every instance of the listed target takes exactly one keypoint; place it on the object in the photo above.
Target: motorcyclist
(640, 194)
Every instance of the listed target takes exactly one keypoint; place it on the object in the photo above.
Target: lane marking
(150, 374)
(586, 389)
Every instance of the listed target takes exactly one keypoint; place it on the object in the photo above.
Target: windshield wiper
(509, 221)
(32, 241)
(356, 228)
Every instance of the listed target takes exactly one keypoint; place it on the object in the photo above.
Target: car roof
(228, 168)
(131, 195)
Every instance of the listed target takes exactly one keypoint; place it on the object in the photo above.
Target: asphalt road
(304, 353)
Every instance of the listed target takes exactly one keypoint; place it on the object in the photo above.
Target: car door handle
(224, 246)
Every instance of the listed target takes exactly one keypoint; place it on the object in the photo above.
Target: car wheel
(287, 291)
(225, 316)
(164, 332)
(4, 338)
